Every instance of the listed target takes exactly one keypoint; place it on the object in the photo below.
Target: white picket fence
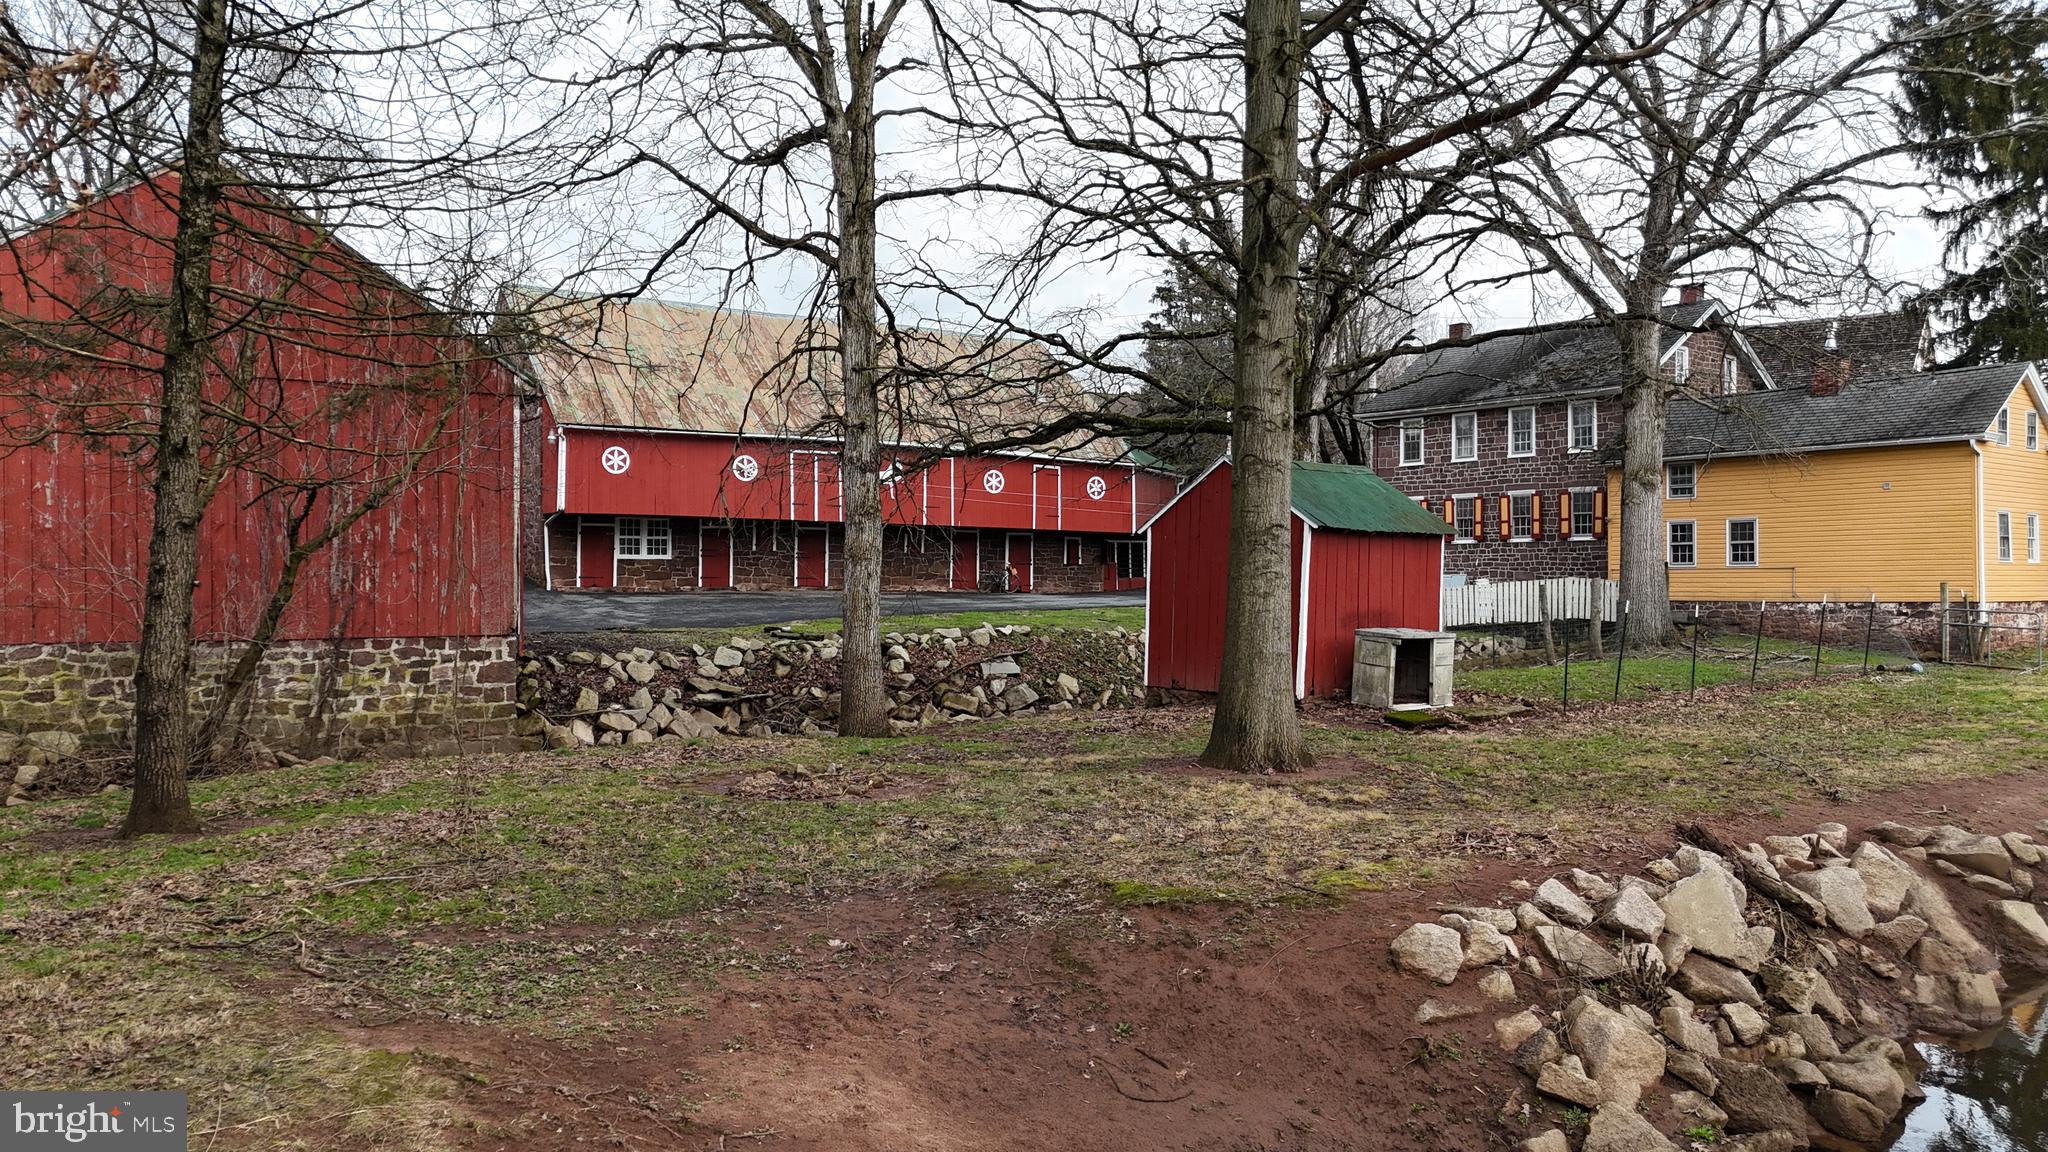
(1524, 601)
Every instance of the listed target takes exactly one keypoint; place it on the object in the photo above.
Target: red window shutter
(1536, 515)
(1600, 513)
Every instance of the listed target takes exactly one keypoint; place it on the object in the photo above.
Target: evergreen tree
(1973, 103)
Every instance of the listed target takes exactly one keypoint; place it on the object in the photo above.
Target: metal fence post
(1567, 671)
(1756, 653)
(1869, 624)
(1820, 634)
(2040, 639)
(1621, 650)
(1941, 627)
(1693, 688)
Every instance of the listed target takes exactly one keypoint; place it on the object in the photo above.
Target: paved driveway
(604, 611)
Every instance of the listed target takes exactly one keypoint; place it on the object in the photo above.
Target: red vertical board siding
(1355, 580)
(436, 560)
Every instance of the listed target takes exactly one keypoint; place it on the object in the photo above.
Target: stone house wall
(410, 695)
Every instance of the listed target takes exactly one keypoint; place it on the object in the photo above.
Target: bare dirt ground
(925, 1021)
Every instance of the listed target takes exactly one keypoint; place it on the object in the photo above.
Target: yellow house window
(2005, 537)
(2002, 431)
(1742, 543)
(2033, 431)
(1681, 541)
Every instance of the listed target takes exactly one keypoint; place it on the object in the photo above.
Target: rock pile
(1746, 983)
(24, 759)
(788, 682)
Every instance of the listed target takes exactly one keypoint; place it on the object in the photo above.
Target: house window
(2033, 538)
(1129, 558)
(1681, 365)
(1680, 543)
(1465, 517)
(1465, 436)
(1582, 512)
(2002, 432)
(1072, 550)
(2005, 537)
(1730, 376)
(1521, 431)
(641, 538)
(2033, 431)
(1585, 426)
(1411, 441)
(1742, 543)
(1681, 480)
(1522, 515)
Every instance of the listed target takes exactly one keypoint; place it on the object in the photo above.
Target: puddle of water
(1987, 1092)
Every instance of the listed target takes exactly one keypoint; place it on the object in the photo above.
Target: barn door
(594, 554)
(714, 557)
(811, 545)
(966, 561)
(1020, 561)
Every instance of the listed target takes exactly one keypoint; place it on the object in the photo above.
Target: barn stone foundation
(402, 696)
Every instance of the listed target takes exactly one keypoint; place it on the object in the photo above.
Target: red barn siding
(1366, 580)
(1355, 580)
(438, 560)
(690, 474)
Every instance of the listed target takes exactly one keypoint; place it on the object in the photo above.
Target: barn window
(1465, 436)
(642, 538)
(1072, 548)
(1582, 512)
(1681, 543)
(1521, 431)
(1129, 558)
(1585, 426)
(1742, 543)
(1681, 480)
(1465, 517)
(1522, 515)
(1411, 441)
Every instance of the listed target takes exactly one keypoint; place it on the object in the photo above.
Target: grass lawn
(490, 891)
(1128, 618)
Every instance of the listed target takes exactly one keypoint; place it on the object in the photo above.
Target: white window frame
(2001, 428)
(2033, 431)
(1528, 411)
(1756, 542)
(1692, 489)
(1421, 430)
(1571, 513)
(1731, 375)
(2033, 537)
(1522, 537)
(1471, 422)
(1692, 542)
(1074, 543)
(1473, 538)
(1571, 418)
(2004, 536)
(1681, 364)
(642, 538)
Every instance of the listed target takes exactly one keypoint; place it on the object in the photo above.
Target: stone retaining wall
(787, 682)
(418, 695)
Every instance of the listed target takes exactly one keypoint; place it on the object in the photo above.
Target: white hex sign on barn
(616, 460)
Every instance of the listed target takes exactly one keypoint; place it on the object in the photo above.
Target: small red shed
(1368, 557)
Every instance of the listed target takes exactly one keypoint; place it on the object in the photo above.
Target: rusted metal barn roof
(651, 363)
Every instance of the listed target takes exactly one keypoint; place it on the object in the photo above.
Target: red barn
(339, 403)
(679, 447)
(1367, 555)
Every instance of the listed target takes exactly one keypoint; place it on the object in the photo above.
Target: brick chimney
(1691, 293)
(1460, 330)
(1830, 373)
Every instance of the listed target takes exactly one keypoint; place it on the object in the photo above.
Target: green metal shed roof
(1354, 499)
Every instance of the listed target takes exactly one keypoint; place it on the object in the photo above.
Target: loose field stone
(1712, 982)
(1967, 850)
(1748, 1025)
(1841, 892)
(1617, 1128)
(2020, 925)
(1755, 1100)
(1510, 1031)
(1562, 904)
(1577, 954)
(1567, 1080)
(1900, 933)
(1431, 951)
(1702, 907)
(1497, 986)
(1624, 1057)
(587, 700)
(1848, 1115)
(1633, 913)
(1886, 879)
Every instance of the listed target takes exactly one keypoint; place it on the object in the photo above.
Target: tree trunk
(1256, 728)
(863, 704)
(163, 670)
(1645, 582)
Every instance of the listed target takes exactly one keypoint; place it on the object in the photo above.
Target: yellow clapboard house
(1882, 489)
